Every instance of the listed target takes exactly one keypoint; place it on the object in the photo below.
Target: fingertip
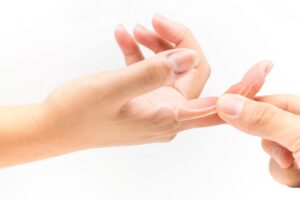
(230, 105)
(139, 32)
(124, 39)
(157, 21)
(265, 67)
(269, 67)
(119, 29)
(157, 16)
(121, 34)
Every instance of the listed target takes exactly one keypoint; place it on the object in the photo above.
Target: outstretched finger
(151, 40)
(128, 45)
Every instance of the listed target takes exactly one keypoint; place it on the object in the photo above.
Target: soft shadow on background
(44, 43)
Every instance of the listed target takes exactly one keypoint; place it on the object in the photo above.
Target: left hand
(168, 35)
(194, 112)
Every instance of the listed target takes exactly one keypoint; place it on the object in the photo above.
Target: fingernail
(231, 104)
(266, 66)
(277, 154)
(182, 60)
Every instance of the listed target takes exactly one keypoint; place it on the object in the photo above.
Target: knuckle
(97, 91)
(168, 130)
(163, 115)
(176, 125)
(262, 115)
(157, 71)
(172, 128)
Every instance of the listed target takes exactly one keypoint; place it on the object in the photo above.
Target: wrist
(27, 133)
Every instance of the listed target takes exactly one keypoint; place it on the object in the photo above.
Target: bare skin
(276, 119)
(258, 119)
(149, 100)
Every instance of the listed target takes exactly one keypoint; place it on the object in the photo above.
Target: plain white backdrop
(44, 43)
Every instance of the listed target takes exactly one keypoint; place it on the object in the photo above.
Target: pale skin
(150, 100)
(258, 119)
(274, 118)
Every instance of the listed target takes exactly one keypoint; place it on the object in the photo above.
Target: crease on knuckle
(262, 117)
(173, 128)
(157, 72)
(163, 115)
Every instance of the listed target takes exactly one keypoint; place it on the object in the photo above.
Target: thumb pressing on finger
(160, 70)
(261, 119)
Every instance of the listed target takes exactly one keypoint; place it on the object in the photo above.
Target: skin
(169, 35)
(149, 100)
(275, 119)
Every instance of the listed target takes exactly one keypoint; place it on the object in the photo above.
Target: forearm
(25, 135)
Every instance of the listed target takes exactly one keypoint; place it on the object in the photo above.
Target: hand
(169, 35)
(276, 119)
(123, 106)
(148, 101)
(116, 107)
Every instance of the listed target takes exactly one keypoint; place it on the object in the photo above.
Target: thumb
(261, 119)
(147, 75)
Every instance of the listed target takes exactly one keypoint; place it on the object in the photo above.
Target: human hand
(142, 103)
(115, 107)
(168, 35)
(152, 111)
(126, 106)
(276, 119)
(171, 35)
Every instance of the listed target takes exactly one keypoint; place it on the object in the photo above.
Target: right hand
(276, 119)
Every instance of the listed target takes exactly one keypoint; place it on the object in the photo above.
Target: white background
(44, 43)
